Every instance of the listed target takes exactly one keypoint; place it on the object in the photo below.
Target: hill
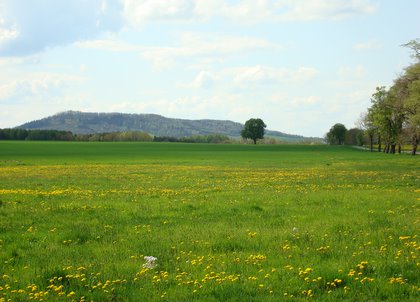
(157, 125)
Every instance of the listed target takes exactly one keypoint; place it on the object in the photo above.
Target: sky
(300, 65)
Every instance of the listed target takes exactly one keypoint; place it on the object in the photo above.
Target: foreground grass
(225, 223)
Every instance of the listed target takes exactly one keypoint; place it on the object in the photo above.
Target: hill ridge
(80, 122)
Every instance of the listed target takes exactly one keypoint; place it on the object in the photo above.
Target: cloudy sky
(300, 65)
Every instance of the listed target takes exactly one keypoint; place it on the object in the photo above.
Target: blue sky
(299, 65)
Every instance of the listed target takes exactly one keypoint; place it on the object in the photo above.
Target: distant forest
(57, 135)
(128, 136)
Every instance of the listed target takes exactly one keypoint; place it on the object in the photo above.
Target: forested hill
(157, 125)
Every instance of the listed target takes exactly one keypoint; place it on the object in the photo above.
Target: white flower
(150, 258)
(150, 262)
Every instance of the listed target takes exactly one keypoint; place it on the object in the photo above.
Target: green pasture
(225, 222)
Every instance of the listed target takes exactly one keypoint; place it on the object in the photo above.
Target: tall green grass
(225, 222)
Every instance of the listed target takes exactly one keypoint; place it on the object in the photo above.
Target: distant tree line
(393, 119)
(128, 136)
(211, 138)
(47, 135)
(57, 135)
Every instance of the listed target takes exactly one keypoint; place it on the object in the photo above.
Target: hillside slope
(157, 125)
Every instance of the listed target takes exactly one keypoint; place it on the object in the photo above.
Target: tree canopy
(254, 129)
(394, 115)
(393, 119)
(337, 134)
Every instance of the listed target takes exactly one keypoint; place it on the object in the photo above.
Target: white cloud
(11, 61)
(36, 85)
(190, 45)
(249, 11)
(208, 9)
(28, 27)
(108, 45)
(31, 26)
(7, 34)
(37, 107)
(8, 90)
(306, 101)
(138, 12)
(358, 71)
(250, 77)
(83, 68)
(246, 76)
(37, 95)
(206, 63)
(359, 97)
(243, 113)
(373, 44)
(302, 10)
(204, 79)
(195, 44)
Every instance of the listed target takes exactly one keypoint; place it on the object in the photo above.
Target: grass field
(225, 222)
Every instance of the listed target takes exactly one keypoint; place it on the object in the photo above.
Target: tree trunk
(371, 143)
(393, 145)
(415, 142)
(379, 143)
(386, 149)
(399, 148)
(255, 141)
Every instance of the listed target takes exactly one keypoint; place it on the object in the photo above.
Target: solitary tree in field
(254, 129)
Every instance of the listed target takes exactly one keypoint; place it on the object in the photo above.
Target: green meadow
(224, 222)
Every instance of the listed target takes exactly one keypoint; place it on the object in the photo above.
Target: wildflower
(150, 262)
(398, 280)
(252, 234)
(308, 293)
(404, 237)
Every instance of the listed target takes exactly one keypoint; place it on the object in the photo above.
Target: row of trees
(393, 119)
(46, 135)
(254, 129)
(56, 135)
(211, 138)
(127, 136)
(394, 116)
